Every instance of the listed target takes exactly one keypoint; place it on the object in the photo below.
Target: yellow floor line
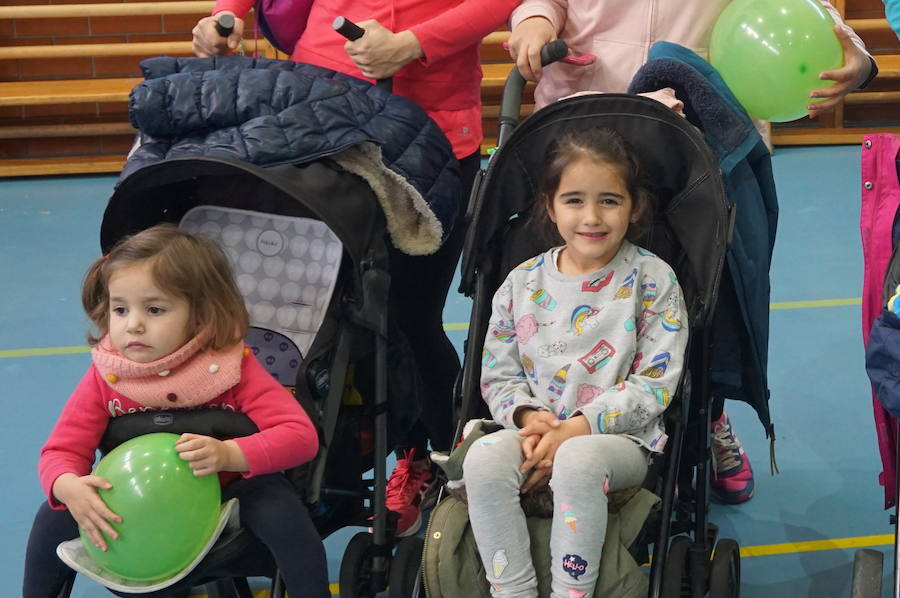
(746, 551)
(817, 303)
(815, 545)
(44, 351)
(448, 326)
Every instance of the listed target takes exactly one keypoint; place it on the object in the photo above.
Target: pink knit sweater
(286, 438)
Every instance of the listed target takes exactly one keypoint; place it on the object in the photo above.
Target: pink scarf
(186, 378)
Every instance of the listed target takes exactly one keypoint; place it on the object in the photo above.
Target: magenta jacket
(880, 200)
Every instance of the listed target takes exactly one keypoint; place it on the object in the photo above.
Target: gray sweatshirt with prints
(608, 345)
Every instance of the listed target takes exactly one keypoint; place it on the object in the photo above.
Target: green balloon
(168, 514)
(770, 54)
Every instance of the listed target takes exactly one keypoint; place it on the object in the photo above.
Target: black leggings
(269, 507)
(419, 286)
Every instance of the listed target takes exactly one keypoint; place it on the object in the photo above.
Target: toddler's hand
(207, 41)
(525, 45)
(205, 455)
(847, 78)
(79, 494)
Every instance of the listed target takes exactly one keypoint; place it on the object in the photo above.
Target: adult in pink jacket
(620, 33)
(430, 48)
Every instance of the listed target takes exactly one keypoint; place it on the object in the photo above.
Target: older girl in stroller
(587, 411)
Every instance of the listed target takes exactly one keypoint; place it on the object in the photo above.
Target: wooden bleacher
(111, 94)
(101, 91)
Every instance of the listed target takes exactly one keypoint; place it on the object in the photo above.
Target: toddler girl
(171, 323)
(584, 350)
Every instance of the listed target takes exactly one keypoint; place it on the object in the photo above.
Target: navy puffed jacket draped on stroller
(274, 112)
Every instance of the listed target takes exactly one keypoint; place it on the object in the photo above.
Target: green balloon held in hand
(770, 54)
(168, 514)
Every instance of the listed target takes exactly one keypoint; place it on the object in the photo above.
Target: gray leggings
(584, 470)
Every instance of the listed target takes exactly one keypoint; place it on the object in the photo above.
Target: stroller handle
(511, 103)
(353, 32)
(225, 25)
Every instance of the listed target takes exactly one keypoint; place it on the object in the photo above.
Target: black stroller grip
(353, 32)
(225, 25)
(515, 83)
(348, 28)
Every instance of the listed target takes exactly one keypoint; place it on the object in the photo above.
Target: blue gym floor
(798, 533)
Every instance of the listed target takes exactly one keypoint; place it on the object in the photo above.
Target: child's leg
(584, 470)
(45, 574)
(273, 511)
(491, 473)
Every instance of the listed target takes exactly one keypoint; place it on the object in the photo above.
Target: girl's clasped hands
(544, 433)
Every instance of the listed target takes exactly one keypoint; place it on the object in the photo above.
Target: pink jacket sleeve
(552, 10)
(857, 41)
(72, 445)
(287, 437)
(463, 25)
(239, 7)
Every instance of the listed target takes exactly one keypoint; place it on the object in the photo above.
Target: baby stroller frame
(868, 564)
(683, 567)
(163, 193)
(301, 179)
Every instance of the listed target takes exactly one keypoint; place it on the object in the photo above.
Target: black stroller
(271, 181)
(691, 230)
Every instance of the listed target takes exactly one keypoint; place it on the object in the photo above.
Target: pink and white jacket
(619, 33)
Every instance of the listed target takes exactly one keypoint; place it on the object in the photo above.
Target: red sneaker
(409, 490)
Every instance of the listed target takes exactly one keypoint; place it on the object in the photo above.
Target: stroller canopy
(690, 218)
(166, 191)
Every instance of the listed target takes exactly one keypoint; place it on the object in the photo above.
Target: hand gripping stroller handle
(225, 25)
(353, 32)
(515, 83)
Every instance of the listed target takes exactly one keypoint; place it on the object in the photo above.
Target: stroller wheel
(725, 570)
(356, 568)
(675, 581)
(405, 567)
(867, 566)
